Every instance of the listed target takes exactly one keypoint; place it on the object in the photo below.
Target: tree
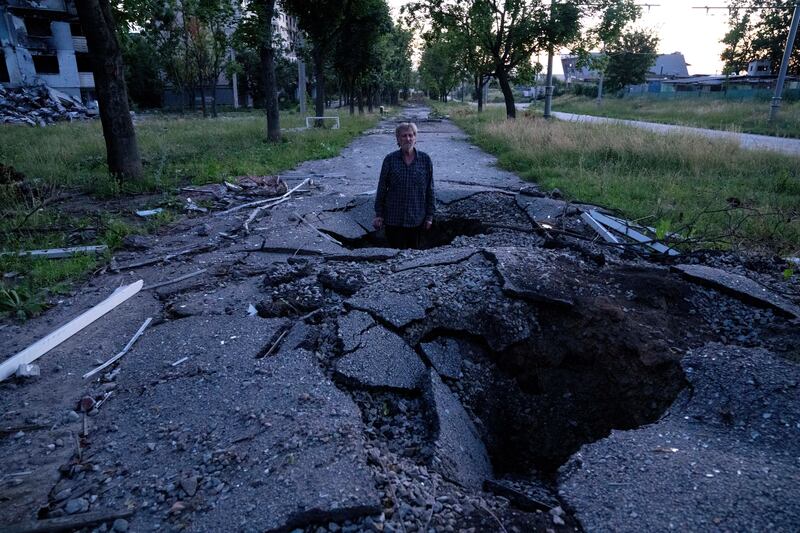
(266, 51)
(439, 69)
(112, 95)
(357, 56)
(630, 58)
(321, 20)
(616, 15)
(142, 71)
(509, 32)
(759, 29)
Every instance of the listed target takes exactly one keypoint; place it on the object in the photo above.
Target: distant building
(42, 43)
(667, 66)
(759, 68)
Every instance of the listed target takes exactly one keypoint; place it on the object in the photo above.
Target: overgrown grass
(177, 150)
(748, 116)
(674, 182)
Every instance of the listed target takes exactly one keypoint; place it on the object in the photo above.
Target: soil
(507, 377)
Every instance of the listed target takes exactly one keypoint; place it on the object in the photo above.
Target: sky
(693, 32)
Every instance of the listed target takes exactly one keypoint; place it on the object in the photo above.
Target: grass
(69, 158)
(675, 183)
(748, 116)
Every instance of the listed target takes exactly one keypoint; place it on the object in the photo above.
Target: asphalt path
(747, 141)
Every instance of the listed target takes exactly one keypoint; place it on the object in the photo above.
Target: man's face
(406, 140)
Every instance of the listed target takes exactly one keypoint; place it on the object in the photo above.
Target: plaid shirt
(405, 192)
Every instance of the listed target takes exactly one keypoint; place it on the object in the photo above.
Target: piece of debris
(125, 350)
(68, 523)
(149, 212)
(44, 345)
(271, 201)
(251, 310)
(633, 231)
(39, 106)
(60, 253)
(271, 186)
(176, 280)
(191, 206)
(28, 371)
(599, 228)
(179, 361)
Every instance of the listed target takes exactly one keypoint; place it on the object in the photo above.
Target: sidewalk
(747, 141)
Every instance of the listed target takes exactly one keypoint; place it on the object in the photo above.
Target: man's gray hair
(403, 126)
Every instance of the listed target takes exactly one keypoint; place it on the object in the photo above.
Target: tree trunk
(112, 95)
(351, 96)
(267, 56)
(478, 80)
(214, 99)
(370, 96)
(203, 99)
(319, 81)
(360, 99)
(508, 95)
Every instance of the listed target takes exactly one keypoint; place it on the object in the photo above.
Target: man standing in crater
(405, 202)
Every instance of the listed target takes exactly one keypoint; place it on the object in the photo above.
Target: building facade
(42, 43)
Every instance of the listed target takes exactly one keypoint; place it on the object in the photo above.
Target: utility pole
(787, 53)
(301, 85)
(548, 87)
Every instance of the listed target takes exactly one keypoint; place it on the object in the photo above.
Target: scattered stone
(120, 525)
(189, 485)
(77, 505)
(28, 371)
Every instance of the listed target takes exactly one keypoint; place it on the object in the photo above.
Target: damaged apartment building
(43, 44)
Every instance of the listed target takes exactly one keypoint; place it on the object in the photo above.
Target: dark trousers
(400, 237)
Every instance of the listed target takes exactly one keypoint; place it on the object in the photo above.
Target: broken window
(84, 62)
(46, 64)
(38, 27)
(4, 77)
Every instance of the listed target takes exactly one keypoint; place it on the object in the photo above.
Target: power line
(749, 6)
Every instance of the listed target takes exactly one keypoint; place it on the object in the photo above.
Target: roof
(673, 64)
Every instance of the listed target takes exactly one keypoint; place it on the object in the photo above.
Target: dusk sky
(693, 32)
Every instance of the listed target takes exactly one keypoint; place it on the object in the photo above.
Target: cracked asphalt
(506, 379)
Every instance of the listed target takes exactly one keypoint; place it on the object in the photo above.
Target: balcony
(86, 80)
(79, 44)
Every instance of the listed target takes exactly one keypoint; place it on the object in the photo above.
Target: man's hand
(428, 224)
(377, 222)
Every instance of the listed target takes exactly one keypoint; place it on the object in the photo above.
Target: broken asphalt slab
(723, 457)
(738, 286)
(382, 360)
(460, 454)
(286, 450)
(196, 431)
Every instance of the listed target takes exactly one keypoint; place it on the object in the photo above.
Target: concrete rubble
(508, 377)
(40, 106)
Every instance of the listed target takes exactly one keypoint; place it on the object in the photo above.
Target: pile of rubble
(40, 106)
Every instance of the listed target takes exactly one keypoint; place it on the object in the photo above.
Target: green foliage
(630, 58)
(788, 273)
(438, 70)
(142, 72)
(20, 304)
(759, 29)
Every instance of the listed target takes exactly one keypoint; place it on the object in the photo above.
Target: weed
(682, 181)
(19, 303)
